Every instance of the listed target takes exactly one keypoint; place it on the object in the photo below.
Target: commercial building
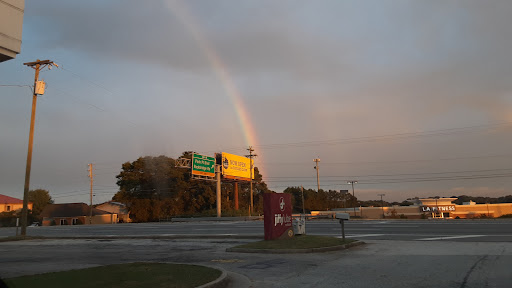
(8, 204)
(11, 26)
(75, 214)
(428, 208)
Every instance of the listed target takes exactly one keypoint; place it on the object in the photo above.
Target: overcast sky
(319, 79)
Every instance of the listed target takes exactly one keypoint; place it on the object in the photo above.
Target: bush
(506, 216)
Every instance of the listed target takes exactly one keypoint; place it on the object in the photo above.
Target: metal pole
(218, 190)
(236, 196)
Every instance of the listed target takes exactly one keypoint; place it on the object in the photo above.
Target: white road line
(450, 237)
(361, 235)
(358, 229)
(396, 226)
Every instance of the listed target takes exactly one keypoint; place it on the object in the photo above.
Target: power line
(391, 161)
(402, 174)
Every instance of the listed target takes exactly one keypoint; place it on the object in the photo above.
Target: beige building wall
(103, 219)
(415, 212)
(11, 26)
(81, 220)
(13, 207)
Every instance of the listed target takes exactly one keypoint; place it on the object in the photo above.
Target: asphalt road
(379, 263)
(425, 230)
(453, 253)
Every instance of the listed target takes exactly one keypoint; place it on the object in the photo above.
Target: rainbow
(220, 69)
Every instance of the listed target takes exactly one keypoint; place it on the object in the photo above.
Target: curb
(154, 237)
(220, 282)
(296, 251)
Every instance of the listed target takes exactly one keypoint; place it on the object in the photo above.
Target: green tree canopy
(40, 198)
(154, 188)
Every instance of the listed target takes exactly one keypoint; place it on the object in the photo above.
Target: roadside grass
(122, 276)
(297, 242)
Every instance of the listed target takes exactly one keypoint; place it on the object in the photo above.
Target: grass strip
(122, 276)
(297, 242)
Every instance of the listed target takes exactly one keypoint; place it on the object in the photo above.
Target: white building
(11, 24)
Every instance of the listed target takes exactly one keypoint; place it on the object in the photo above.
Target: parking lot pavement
(380, 263)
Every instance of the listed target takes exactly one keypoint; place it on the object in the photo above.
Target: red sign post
(277, 209)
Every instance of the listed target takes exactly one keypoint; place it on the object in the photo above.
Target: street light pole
(352, 182)
(382, 204)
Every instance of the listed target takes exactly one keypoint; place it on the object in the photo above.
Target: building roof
(114, 207)
(70, 210)
(438, 201)
(4, 199)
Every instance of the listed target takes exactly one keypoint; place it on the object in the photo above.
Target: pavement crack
(465, 281)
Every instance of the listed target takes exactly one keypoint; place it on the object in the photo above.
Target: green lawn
(297, 242)
(122, 276)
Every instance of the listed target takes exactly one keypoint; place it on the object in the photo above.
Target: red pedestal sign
(277, 209)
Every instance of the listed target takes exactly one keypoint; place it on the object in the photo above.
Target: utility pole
(250, 149)
(316, 160)
(90, 207)
(382, 204)
(353, 193)
(38, 90)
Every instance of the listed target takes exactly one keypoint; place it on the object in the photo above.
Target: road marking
(396, 226)
(361, 229)
(361, 235)
(450, 237)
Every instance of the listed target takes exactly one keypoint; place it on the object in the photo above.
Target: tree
(171, 191)
(40, 198)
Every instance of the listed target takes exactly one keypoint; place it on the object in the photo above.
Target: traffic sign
(203, 165)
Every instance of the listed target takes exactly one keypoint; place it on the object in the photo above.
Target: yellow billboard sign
(236, 167)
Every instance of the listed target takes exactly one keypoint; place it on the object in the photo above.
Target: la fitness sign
(277, 209)
(448, 208)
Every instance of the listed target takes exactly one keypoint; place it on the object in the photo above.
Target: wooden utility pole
(37, 65)
(92, 180)
(250, 149)
(316, 160)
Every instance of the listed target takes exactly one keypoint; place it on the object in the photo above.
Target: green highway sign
(203, 165)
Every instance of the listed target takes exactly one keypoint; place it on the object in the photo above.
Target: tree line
(153, 188)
